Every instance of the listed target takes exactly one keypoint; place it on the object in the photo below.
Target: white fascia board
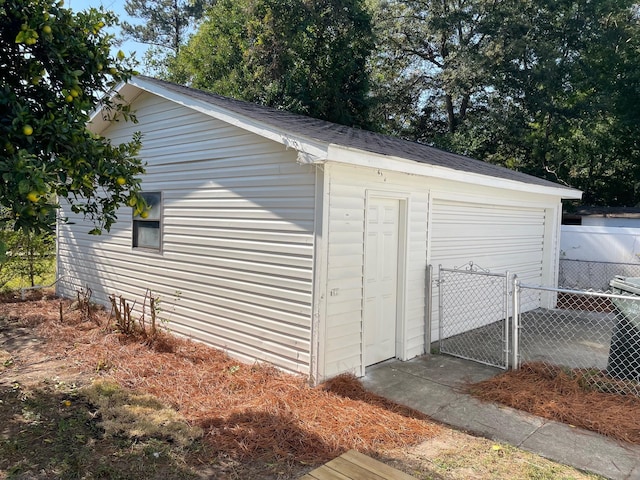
(310, 151)
(353, 156)
(97, 122)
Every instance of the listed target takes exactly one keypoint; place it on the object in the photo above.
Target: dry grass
(252, 412)
(563, 395)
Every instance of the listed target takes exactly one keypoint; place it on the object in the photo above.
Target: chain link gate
(474, 306)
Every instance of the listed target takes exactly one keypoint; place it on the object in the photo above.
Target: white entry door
(381, 279)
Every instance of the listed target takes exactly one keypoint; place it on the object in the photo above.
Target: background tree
(304, 56)
(165, 25)
(55, 69)
(27, 258)
(432, 67)
(561, 67)
(533, 85)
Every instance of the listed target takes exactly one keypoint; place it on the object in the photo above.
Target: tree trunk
(451, 116)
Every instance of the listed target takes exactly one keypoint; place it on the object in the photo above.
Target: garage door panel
(495, 237)
(470, 229)
(465, 231)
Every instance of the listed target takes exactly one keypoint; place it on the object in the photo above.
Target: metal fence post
(505, 333)
(429, 309)
(515, 359)
(440, 296)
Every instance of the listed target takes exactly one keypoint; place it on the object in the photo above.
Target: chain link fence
(473, 315)
(595, 336)
(587, 275)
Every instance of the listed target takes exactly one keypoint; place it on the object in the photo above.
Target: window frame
(137, 220)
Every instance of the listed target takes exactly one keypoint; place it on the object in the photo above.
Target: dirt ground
(73, 405)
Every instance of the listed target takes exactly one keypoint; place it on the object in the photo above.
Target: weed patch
(59, 431)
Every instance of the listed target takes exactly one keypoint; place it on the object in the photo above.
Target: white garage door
(495, 237)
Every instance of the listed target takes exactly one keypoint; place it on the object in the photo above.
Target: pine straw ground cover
(247, 412)
(564, 395)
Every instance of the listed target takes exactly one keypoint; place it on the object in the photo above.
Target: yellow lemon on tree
(74, 92)
(27, 130)
(46, 29)
(144, 214)
(121, 181)
(69, 98)
(33, 196)
(133, 201)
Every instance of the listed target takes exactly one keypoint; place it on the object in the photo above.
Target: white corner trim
(364, 158)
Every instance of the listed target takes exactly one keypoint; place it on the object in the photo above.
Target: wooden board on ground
(354, 465)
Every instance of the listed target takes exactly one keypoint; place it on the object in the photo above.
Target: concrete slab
(434, 385)
(490, 420)
(439, 368)
(584, 449)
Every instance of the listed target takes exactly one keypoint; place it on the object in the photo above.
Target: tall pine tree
(165, 25)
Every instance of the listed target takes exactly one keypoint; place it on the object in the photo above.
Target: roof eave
(364, 158)
(315, 151)
(310, 150)
(98, 122)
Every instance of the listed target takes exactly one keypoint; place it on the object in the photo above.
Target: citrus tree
(56, 68)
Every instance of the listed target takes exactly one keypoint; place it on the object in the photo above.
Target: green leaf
(22, 36)
(24, 186)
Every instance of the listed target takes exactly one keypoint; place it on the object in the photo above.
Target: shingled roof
(332, 133)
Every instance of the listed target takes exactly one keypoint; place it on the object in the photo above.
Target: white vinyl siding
(236, 265)
(262, 239)
(348, 187)
(495, 230)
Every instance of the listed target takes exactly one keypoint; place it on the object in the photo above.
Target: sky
(117, 7)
